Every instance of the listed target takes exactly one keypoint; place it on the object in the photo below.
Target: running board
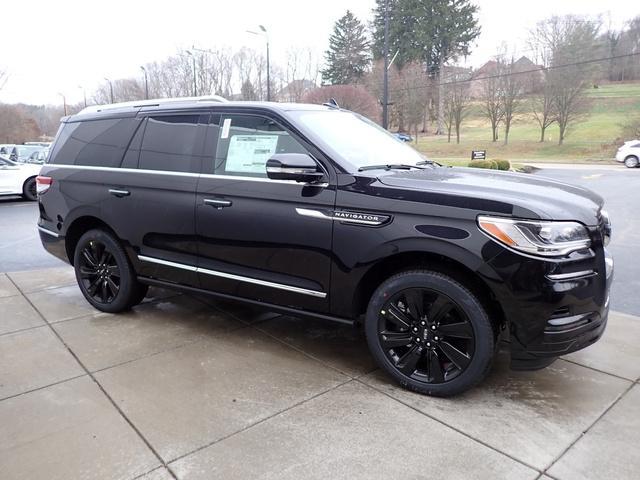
(268, 306)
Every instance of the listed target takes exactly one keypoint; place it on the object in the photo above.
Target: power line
(522, 72)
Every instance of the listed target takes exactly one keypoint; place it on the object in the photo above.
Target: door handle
(214, 202)
(119, 193)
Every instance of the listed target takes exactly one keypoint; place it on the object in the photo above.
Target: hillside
(593, 139)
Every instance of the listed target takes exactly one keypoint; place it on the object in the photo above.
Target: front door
(253, 242)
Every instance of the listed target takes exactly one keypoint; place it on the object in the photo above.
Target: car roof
(186, 103)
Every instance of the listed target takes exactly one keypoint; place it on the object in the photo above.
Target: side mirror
(293, 166)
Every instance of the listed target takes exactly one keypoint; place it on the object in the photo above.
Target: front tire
(105, 276)
(430, 333)
(30, 190)
(631, 162)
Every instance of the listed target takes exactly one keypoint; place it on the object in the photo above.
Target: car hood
(530, 196)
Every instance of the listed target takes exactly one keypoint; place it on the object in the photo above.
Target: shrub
(484, 164)
(503, 164)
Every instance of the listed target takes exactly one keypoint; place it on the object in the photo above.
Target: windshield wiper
(390, 166)
(428, 162)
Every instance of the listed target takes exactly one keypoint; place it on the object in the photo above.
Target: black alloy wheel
(426, 335)
(30, 190)
(99, 272)
(104, 274)
(430, 333)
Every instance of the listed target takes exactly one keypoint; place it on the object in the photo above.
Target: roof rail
(152, 103)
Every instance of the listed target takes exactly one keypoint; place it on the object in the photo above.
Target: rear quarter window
(93, 143)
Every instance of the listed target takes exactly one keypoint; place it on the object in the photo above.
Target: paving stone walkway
(190, 388)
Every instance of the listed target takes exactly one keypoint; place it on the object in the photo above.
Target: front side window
(246, 142)
(170, 143)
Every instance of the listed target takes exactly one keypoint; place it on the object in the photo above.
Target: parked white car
(629, 154)
(18, 178)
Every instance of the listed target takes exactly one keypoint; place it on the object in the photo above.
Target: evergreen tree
(348, 56)
(431, 32)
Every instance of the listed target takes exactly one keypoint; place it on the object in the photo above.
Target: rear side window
(170, 143)
(94, 143)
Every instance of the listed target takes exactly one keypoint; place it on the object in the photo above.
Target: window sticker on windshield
(226, 125)
(249, 153)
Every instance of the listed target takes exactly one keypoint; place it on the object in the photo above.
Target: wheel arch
(421, 260)
(78, 227)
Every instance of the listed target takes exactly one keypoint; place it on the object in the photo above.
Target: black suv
(317, 212)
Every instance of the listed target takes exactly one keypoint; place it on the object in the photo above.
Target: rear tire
(29, 190)
(631, 162)
(105, 276)
(430, 333)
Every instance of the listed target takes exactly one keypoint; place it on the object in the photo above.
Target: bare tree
(492, 103)
(566, 42)
(511, 93)
(414, 98)
(3, 78)
(456, 104)
(543, 107)
(351, 97)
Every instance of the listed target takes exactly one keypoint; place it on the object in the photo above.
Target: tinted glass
(130, 159)
(170, 143)
(94, 143)
(246, 142)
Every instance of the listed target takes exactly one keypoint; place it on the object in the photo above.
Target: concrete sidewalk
(185, 387)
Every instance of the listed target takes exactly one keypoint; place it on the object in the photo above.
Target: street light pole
(268, 66)
(64, 103)
(266, 36)
(84, 94)
(385, 91)
(195, 90)
(110, 88)
(146, 83)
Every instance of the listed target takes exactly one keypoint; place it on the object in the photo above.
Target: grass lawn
(594, 138)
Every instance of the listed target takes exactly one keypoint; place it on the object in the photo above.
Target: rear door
(254, 242)
(152, 197)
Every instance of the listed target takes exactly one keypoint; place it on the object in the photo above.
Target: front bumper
(552, 309)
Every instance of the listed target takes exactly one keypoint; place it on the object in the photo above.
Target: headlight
(537, 237)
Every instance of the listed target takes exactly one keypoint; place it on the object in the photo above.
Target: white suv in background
(18, 178)
(629, 154)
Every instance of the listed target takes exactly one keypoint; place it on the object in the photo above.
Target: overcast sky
(55, 46)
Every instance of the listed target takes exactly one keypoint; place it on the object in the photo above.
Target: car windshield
(26, 150)
(357, 140)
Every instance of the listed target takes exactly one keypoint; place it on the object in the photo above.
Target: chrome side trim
(305, 212)
(230, 276)
(570, 276)
(181, 174)
(48, 232)
(346, 217)
(167, 263)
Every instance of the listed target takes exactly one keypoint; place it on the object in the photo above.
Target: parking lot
(187, 387)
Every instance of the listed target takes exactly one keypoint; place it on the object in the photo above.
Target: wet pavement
(190, 388)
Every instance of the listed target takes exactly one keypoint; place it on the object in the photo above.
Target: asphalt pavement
(619, 186)
(20, 247)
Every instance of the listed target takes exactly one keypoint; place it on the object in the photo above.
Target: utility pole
(146, 83)
(110, 88)
(385, 87)
(195, 89)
